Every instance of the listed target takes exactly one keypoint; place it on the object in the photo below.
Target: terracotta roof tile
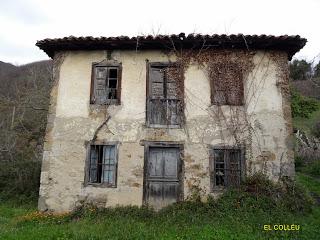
(289, 44)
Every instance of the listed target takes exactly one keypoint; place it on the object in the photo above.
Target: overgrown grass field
(237, 215)
(306, 113)
(307, 124)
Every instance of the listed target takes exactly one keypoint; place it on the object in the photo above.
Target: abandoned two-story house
(155, 119)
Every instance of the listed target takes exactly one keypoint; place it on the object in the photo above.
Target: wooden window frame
(213, 93)
(87, 164)
(163, 144)
(116, 101)
(242, 166)
(148, 95)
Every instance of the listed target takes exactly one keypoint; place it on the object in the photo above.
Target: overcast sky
(23, 22)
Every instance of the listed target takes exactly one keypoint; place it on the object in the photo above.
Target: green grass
(231, 217)
(311, 168)
(311, 183)
(307, 124)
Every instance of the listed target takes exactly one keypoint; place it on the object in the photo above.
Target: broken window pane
(106, 84)
(113, 73)
(226, 164)
(219, 167)
(112, 83)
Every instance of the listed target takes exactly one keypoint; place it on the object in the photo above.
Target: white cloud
(24, 22)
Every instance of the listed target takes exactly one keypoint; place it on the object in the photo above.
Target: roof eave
(289, 44)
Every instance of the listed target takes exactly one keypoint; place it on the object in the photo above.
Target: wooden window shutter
(227, 85)
(157, 82)
(173, 82)
(99, 84)
(106, 83)
(156, 104)
(94, 158)
(174, 94)
(119, 88)
(164, 100)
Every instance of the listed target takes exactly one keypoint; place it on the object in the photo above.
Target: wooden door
(162, 185)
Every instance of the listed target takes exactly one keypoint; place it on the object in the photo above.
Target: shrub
(19, 179)
(285, 194)
(302, 106)
(256, 194)
(294, 197)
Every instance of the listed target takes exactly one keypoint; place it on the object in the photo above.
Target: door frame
(163, 144)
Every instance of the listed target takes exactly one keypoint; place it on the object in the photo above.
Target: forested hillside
(24, 99)
(305, 96)
(305, 78)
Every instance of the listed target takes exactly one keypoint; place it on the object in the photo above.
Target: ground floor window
(102, 165)
(227, 167)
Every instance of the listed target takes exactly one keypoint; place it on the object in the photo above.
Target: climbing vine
(237, 65)
(227, 71)
(224, 69)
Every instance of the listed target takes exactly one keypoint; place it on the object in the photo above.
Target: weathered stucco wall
(265, 127)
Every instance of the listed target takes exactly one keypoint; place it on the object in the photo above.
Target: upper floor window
(227, 167)
(106, 84)
(227, 84)
(102, 165)
(164, 95)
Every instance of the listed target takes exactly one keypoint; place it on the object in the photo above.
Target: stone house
(157, 119)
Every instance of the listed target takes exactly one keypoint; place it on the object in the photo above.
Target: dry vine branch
(99, 128)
